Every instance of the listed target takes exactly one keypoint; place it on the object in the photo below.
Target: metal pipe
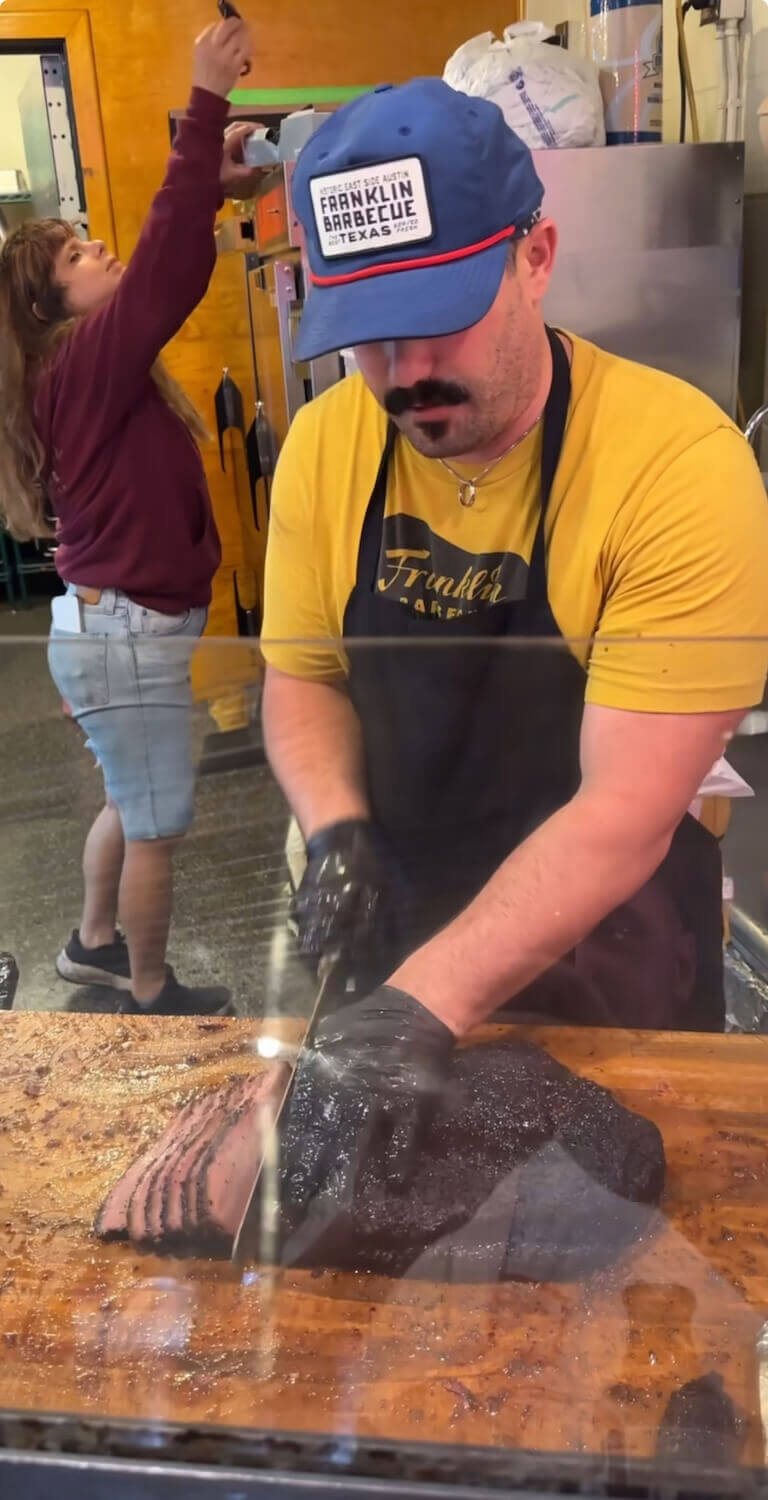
(731, 46)
(755, 423)
(740, 83)
(750, 940)
(720, 38)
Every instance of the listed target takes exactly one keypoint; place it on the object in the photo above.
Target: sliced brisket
(224, 1178)
(112, 1218)
(188, 1192)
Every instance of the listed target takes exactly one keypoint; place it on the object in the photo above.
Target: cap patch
(372, 208)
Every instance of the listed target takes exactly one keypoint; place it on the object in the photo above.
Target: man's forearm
(551, 892)
(314, 745)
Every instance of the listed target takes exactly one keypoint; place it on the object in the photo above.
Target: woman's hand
(238, 180)
(220, 53)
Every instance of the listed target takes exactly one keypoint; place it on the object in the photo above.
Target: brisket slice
(201, 1125)
(189, 1190)
(220, 1188)
(138, 1209)
(112, 1218)
(174, 1209)
(131, 1208)
(183, 1185)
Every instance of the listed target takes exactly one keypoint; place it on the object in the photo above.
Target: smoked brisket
(527, 1170)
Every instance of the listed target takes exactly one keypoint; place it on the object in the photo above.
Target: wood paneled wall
(142, 51)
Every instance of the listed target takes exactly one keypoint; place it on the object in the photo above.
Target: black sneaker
(108, 966)
(9, 978)
(178, 1000)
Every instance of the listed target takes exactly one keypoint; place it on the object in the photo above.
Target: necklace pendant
(467, 494)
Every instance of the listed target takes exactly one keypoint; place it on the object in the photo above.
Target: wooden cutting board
(100, 1329)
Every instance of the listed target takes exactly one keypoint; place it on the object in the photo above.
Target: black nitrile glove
(368, 1085)
(337, 904)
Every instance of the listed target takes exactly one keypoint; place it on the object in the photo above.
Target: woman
(93, 429)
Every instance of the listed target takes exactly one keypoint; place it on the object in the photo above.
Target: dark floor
(231, 900)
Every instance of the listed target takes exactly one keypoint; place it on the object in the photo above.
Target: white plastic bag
(547, 96)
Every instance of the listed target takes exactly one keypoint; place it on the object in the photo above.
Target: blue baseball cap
(408, 198)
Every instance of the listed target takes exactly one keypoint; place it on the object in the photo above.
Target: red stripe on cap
(419, 263)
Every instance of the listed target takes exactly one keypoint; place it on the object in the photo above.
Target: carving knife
(258, 1228)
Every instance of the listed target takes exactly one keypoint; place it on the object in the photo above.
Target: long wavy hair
(33, 322)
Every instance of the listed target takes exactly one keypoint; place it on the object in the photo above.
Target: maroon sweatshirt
(125, 477)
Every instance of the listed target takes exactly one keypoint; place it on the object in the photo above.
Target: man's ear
(536, 258)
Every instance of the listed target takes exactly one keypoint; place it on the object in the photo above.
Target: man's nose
(97, 249)
(408, 360)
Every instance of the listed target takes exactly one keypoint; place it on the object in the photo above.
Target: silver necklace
(468, 487)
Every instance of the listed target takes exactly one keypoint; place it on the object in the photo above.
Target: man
(477, 795)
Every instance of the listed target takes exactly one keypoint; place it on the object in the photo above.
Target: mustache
(424, 393)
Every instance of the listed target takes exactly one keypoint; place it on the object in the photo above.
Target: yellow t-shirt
(657, 528)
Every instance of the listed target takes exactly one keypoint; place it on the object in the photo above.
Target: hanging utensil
(229, 411)
(230, 419)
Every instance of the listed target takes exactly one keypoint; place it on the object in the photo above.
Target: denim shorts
(126, 679)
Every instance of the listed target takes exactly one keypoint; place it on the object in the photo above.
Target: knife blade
(258, 1226)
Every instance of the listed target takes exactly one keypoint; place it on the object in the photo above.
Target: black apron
(471, 732)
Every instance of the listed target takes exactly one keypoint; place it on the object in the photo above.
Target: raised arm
(115, 347)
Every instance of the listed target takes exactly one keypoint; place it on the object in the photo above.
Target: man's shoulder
(632, 398)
